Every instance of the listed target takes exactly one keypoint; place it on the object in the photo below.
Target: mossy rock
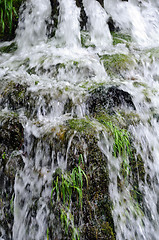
(116, 64)
(9, 48)
(152, 53)
(86, 40)
(119, 37)
(78, 137)
(11, 141)
(11, 132)
(111, 99)
(14, 95)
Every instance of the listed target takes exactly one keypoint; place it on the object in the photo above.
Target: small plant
(12, 205)
(121, 146)
(4, 156)
(70, 183)
(67, 220)
(64, 187)
(7, 10)
(47, 233)
(121, 141)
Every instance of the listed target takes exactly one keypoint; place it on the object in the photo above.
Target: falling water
(69, 28)
(97, 20)
(34, 63)
(32, 24)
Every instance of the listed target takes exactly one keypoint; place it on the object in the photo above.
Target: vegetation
(116, 63)
(121, 146)
(121, 38)
(8, 17)
(66, 186)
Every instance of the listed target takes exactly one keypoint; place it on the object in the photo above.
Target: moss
(120, 119)
(80, 136)
(80, 125)
(137, 168)
(119, 37)
(152, 53)
(146, 94)
(86, 40)
(14, 95)
(104, 116)
(116, 63)
(130, 118)
(139, 84)
(9, 49)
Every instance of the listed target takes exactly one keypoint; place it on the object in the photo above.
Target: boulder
(108, 99)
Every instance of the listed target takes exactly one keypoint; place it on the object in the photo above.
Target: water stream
(48, 67)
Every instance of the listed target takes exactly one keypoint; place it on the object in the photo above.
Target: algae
(119, 37)
(116, 63)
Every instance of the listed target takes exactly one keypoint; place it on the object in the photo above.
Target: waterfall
(143, 27)
(56, 96)
(97, 20)
(68, 31)
(32, 24)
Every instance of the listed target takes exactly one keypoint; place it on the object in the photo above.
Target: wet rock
(96, 213)
(11, 140)
(83, 16)
(108, 99)
(52, 25)
(112, 25)
(13, 96)
(9, 48)
(117, 65)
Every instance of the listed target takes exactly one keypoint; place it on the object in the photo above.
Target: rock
(108, 99)
(112, 25)
(13, 96)
(79, 137)
(52, 25)
(11, 141)
(83, 16)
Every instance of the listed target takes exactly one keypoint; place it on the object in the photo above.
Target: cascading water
(57, 74)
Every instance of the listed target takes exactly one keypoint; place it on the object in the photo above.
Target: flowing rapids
(48, 67)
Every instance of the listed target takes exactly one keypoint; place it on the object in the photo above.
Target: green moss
(139, 84)
(121, 38)
(116, 63)
(152, 53)
(146, 94)
(107, 231)
(80, 125)
(103, 116)
(9, 49)
(86, 40)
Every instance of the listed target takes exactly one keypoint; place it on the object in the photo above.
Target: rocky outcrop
(11, 141)
(108, 99)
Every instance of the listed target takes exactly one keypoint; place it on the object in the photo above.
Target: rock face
(11, 140)
(108, 99)
(96, 212)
